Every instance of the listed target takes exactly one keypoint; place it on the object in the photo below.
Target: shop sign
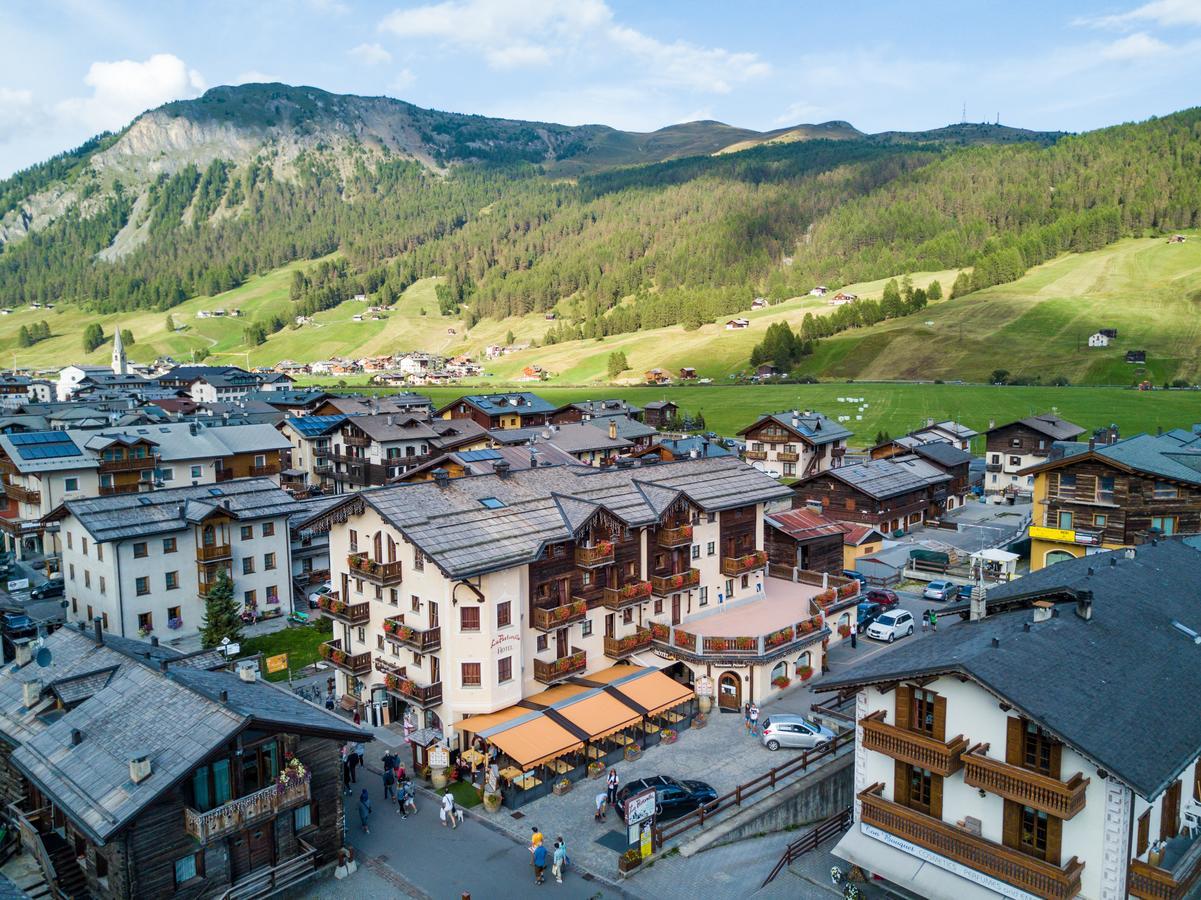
(640, 807)
(277, 663)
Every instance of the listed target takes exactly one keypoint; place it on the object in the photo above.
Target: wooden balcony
(129, 464)
(265, 470)
(627, 595)
(239, 814)
(755, 454)
(423, 695)
(350, 613)
(110, 490)
(1057, 798)
(387, 667)
(740, 565)
(680, 536)
(224, 475)
(599, 554)
(1153, 883)
(423, 640)
(355, 440)
(995, 860)
(664, 585)
(621, 647)
(383, 573)
(23, 495)
(783, 456)
(923, 751)
(213, 553)
(357, 664)
(555, 670)
(557, 616)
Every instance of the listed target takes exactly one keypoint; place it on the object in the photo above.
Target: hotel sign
(1063, 535)
(993, 884)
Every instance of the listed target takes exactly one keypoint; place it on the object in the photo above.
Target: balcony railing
(784, 456)
(940, 757)
(556, 670)
(129, 464)
(1153, 883)
(245, 811)
(23, 495)
(423, 640)
(213, 553)
(992, 467)
(662, 585)
(264, 470)
(350, 613)
(740, 565)
(384, 573)
(356, 664)
(354, 440)
(755, 454)
(109, 490)
(627, 595)
(994, 860)
(599, 554)
(558, 616)
(621, 647)
(680, 536)
(224, 475)
(387, 667)
(1057, 798)
(423, 695)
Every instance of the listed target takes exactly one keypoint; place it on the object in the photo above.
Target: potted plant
(700, 720)
(629, 860)
(596, 769)
(781, 681)
(805, 672)
(492, 801)
(667, 736)
(441, 778)
(844, 630)
(562, 786)
(632, 752)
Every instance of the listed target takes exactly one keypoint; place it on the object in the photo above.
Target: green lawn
(300, 642)
(465, 794)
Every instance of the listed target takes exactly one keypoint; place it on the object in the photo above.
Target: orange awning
(655, 692)
(600, 715)
(535, 742)
(613, 673)
(476, 724)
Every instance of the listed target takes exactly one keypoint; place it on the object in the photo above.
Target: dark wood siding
(819, 554)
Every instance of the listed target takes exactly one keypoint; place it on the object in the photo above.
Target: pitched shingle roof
(804, 524)
(811, 427)
(1115, 687)
(521, 402)
(943, 453)
(882, 478)
(1052, 426)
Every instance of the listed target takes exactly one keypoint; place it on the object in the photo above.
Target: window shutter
(936, 796)
(904, 704)
(940, 718)
(1169, 816)
(900, 788)
(1197, 781)
(1013, 741)
(1011, 829)
(1144, 833)
(1056, 755)
(1054, 839)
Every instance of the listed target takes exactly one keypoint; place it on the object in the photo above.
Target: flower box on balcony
(635, 590)
(826, 597)
(781, 681)
(685, 640)
(804, 672)
(779, 638)
(660, 632)
(744, 643)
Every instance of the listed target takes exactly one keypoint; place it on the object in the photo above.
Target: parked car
(315, 597)
(793, 731)
(47, 590)
(866, 613)
(672, 798)
(858, 576)
(887, 599)
(941, 590)
(891, 625)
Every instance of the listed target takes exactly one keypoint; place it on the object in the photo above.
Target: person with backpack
(406, 799)
(389, 781)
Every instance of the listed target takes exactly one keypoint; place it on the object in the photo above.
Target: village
(510, 598)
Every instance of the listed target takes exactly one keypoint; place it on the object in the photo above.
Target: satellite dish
(44, 657)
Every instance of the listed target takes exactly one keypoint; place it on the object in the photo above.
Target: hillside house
(549, 316)
(950, 432)
(842, 299)
(490, 411)
(1176, 239)
(584, 410)
(1098, 340)
(1136, 357)
(660, 413)
(657, 376)
(886, 494)
(1018, 445)
(820, 291)
(795, 443)
(759, 303)
(737, 324)
(1111, 333)
(687, 373)
(361, 298)
(766, 370)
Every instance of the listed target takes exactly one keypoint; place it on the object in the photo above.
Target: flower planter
(561, 787)
(781, 683)
(492, 802)
(629, 861)
(632, 752)
(700, 721)
(667, 736)
(595, 769)
(805, 672)
(704, 703)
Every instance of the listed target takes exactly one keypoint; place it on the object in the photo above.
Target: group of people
(750, 717)
(540, 855)
(607, 797)
(353, 756)
(397, 786)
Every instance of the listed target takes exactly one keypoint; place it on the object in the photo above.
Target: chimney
(246, 673)
(31, 693)
(814, 506)
(224, 696)
(1084, 605)
(389, 421)
(501, 469)
(1131, 553)
(24, 652)
(977, 607)
(76, 737)
(1092, 443)
(139, 769)
(98, 629)
(154, 640)
(193, 428)
(929, 421)
(1042, 610)
(441, 477)
(612, 429)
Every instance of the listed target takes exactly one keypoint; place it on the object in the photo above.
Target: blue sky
(76, 67)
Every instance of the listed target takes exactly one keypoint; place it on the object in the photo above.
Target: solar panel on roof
(40, 437)
(479, 455)
(49, 451)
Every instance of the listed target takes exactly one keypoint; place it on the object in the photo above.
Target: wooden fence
(811, 840)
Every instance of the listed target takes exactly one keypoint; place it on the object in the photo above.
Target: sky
(74, 68)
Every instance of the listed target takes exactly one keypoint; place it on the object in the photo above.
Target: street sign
(230, 648)
(277, 663)
(18, 584)
(640, 807)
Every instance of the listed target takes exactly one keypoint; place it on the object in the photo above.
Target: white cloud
(512, 34)
(371, 54)
(1166, 13)
(17, 113)
(125, 88)
(403, 81)
(1139, 45)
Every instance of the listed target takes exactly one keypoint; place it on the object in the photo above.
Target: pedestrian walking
(602, 800)
(358, 720)
(352, 764)
(389, 782)
(558, 861)
(754, 719)
(364, 810)
(612, 787)
(345, 771)
(410, 800)
(566, 859)
(539, 864)
(449, 811)
(746, 716)
(934, 621)
(535, 838)
(361, 752)
(926, 621)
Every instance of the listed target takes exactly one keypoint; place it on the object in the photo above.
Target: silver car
(793, 731)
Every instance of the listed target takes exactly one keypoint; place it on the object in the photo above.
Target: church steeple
(120, 364)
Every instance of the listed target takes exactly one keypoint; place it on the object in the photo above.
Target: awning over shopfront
(654, 692)
(600, 715)
(488, 721)
(535, 742)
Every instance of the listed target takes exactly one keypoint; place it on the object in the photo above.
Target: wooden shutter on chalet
(1169, 816)
(900, 790)
(1054, 839)
(1014, 732)
(1011, 825)
(936, 796)
(940, 720)
(904, 714)
(1056, 757)
(1197, 780)
(1144, 833)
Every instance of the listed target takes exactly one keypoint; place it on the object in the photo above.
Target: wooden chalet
(660, 413)
(805, 539)
(131, 770)
(882, 493)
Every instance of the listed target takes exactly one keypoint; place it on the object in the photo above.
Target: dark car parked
(48, 589)
(887, 599)
(672, 798)
(866, 613)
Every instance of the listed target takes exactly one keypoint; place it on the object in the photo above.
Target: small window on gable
(492, 503)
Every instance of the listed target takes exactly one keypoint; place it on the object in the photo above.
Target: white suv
(891, 625)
